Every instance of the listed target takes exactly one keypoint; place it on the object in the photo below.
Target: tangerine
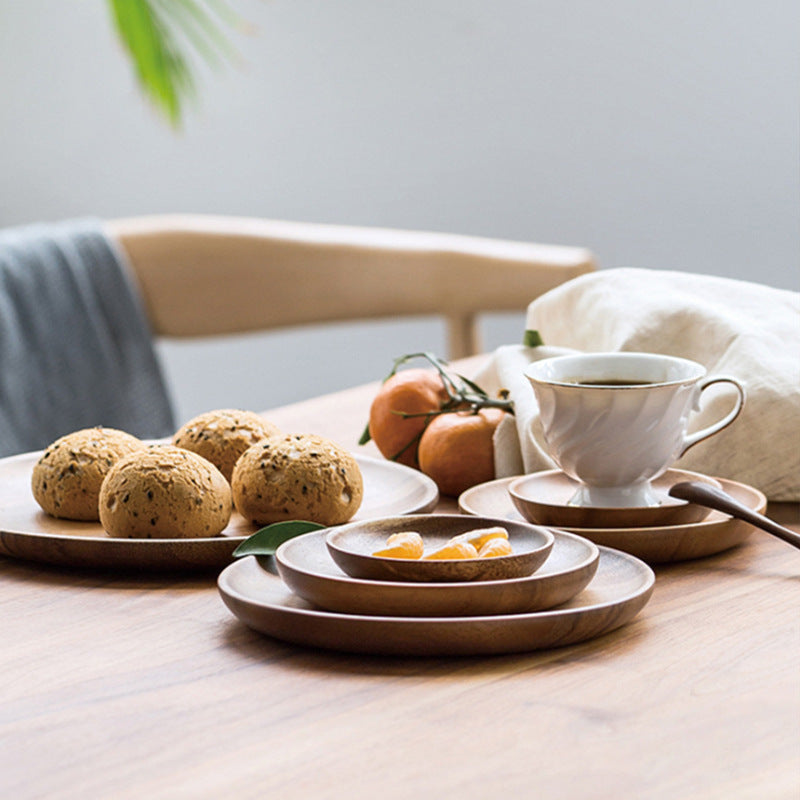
(411, 391)
(494, 548)
(457, 451)
(453, 550)
(480, 536)
(406, 544)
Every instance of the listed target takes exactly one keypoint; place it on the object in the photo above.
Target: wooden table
(114, 687)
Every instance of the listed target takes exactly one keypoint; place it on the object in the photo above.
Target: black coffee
(614, 382)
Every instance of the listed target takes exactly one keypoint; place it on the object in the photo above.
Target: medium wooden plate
(544, 499)
(655, 545)
(306, 567)
(352, 545)
(620, 588)
(27, 532)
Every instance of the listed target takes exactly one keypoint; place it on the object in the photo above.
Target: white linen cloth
(746, 330)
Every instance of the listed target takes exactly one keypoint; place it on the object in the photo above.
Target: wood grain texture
(657, 545)
(619, 590)
(130, 687)
(206, 275)
(307, 568)
(27, 532)
(352, 546)
(544, 498)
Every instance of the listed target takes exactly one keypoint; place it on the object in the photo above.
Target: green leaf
(266, 541)
(532, 339)
(161, 38)
(198, 27)
(366, 436)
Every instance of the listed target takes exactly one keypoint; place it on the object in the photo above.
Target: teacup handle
(698, 436)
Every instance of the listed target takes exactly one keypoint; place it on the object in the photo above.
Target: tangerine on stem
(411, 391)
(457, 451)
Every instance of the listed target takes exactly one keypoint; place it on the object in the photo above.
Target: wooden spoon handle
(705, 495)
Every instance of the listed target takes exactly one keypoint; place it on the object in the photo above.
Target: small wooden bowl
(543, 498)
(351, 547)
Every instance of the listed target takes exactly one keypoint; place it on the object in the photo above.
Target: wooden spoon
(706, 495)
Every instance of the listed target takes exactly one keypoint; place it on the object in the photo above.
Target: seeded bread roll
(66, 479)
(164, 492)
(222, 436)
(299, 476)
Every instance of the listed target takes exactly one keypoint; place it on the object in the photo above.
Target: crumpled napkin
(743, 329)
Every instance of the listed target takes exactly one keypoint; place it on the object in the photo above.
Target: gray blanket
(75, 346)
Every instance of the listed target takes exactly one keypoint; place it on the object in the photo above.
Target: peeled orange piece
(494, 548)
(478, 537)
(454, 550)
(406, 544)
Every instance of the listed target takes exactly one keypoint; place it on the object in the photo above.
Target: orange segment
(495, 547)
(478, 537)
(454, 550)
(406, 544)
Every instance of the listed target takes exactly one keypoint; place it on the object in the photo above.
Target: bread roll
(164, 492)
(66, 479)
(297, 477)
(221, 436)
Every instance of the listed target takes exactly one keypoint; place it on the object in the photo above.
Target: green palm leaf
(163, 36)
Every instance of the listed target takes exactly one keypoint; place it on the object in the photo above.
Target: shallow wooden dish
(543, 498)
(655, 545)
(306, 567)
(27, 532)
(351, 547)
(620, 588)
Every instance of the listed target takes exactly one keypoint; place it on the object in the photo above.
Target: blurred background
(660, 134)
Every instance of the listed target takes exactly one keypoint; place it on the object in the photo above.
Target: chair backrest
(207, 275)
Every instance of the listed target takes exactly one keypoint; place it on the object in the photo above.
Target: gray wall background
(658, 133)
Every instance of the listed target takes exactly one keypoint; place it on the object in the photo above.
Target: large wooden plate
(620, 588)
(308, 569)
(27, 532)
(655, 545)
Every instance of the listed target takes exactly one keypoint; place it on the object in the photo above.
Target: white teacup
(615, 421)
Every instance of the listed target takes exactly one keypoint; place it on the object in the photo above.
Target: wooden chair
(208, 275)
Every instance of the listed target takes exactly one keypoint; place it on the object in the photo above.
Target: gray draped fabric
(75, 345)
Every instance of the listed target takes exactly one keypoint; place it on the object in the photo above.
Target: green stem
(414, 441)
(462, 395)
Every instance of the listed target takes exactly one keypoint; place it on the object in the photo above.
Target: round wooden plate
(306, 567)
(544, 499)
(352, 545)
(620, 588)
(27, 532)
(655, 545)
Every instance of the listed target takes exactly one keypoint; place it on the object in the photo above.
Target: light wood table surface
(120, 687)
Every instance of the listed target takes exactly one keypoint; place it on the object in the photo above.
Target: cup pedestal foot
(638, 495)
